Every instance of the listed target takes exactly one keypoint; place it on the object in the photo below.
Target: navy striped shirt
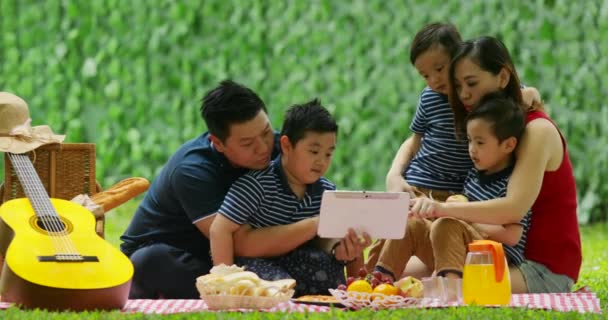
(442, 162)
(263, 198)
(480, 187)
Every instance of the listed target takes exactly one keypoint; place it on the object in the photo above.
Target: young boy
(493, 130)
(288, 191)
(436, 165)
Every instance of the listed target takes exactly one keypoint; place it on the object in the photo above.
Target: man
(168, 238)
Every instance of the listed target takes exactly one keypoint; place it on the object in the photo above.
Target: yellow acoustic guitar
(53, 257)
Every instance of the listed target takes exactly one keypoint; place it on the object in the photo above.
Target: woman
(542, 178)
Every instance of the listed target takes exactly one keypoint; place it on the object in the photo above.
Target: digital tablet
(383, 215)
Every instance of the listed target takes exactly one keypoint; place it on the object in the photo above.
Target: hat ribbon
(23, 130)
(26, 133)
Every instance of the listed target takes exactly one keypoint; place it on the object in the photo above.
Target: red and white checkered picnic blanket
(175, 306)
(581, 302)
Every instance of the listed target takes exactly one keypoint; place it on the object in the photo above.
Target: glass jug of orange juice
(486, 279)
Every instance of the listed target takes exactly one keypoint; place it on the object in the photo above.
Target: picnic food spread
(234, 280)
(231, 287)
(375, 283)
(318, 299)
(374, 291)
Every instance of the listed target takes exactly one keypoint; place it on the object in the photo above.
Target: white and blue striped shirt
(263, 198)
(443, 161)
(480, 187)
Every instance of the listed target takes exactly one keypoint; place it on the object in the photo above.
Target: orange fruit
(386, 289)
(360, 286)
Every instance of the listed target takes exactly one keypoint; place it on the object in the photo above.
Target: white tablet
(383, 215)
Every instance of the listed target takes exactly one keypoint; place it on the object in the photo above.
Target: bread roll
(120, 193)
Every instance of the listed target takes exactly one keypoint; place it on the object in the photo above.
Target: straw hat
(16, 134)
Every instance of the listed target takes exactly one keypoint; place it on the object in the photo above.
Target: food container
(359, 300)
(224, 302)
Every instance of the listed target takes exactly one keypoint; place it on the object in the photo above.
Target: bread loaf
(120, 193)
(233, 280)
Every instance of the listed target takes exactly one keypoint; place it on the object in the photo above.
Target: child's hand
(424, 208)
(352, 245)
(396, 183)
(531, 98)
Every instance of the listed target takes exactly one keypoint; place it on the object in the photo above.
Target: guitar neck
(32, 185)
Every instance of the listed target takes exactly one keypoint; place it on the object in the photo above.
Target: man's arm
(275, 240)
(204, 225)
(222, 246)
(408, 149)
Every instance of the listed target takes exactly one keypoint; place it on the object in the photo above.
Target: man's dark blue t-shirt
(190, 187)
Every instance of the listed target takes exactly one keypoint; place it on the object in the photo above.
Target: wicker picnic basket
(223, 302)
(360, 300)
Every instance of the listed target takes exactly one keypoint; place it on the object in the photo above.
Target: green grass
(594, 274)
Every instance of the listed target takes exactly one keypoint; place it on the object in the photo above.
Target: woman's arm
(405, 154)
(536, 153)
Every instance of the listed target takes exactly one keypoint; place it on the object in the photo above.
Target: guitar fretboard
(35, 192)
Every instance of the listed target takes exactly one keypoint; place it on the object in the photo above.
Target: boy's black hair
(308, 117)
(227, 104)
(506, 117)
(435, 34)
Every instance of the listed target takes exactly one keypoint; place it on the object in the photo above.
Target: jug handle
(498, 255)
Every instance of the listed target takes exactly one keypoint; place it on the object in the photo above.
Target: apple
(457, 198)
(410, 287)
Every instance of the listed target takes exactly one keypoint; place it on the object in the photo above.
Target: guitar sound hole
(51, 224)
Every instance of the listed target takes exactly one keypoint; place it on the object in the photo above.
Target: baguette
(120, 193)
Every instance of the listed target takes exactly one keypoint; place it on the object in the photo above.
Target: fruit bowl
(359, 300)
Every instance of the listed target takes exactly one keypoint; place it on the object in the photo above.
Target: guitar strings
(54, 221)
(23, 175)
(50, 219)
(49, 224)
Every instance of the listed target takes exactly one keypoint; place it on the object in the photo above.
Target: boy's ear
(217, 143)
(504, 76)
(509, 144)
(285, 144)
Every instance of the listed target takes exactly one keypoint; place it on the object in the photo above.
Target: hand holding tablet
(383, 215)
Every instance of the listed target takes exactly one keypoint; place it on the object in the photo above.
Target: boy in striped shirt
(493, 131)
(286, 192)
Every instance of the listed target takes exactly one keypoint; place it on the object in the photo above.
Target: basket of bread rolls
(231, 287)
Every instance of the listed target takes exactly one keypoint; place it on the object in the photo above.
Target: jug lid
(498, 255)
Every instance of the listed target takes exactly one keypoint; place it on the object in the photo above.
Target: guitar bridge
(68, 258)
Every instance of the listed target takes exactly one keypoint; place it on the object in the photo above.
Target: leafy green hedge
(129, 75)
